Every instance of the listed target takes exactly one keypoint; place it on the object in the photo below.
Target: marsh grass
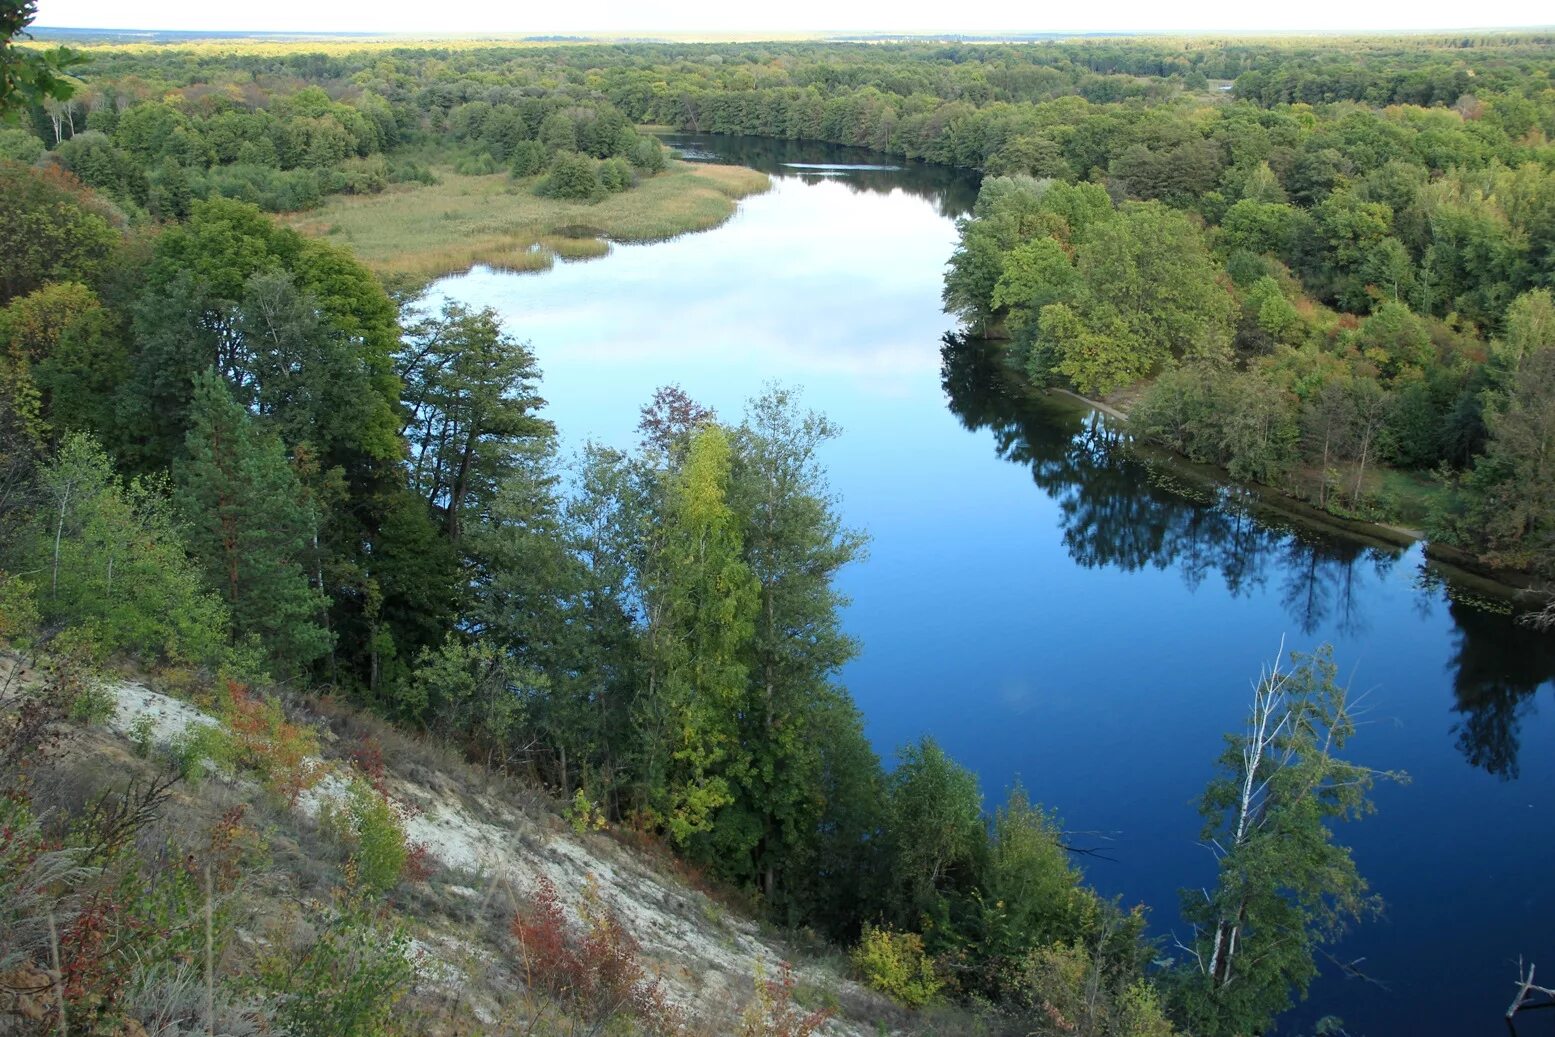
(571, 248)
(422, 232)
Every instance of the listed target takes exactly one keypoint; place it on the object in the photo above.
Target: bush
(93, 704)
(201, 748)
(529, 159)
(20, 146)
(572, 176)
(143, 735)
(406, 171)
(595, 971)
(647, 154)
(273, 190)
(773, 1012)
(345, 983)
(895, 963)
(284, 755)
(584, 814)
(481, 164)
(1074, 992)
(365, 175)
(370, 828)
(615, 174)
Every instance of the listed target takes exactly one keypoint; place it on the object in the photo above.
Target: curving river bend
(1053, 608)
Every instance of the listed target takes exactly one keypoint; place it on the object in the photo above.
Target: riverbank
(1461, 568)
(418, 232)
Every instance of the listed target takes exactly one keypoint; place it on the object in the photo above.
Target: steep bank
(486, 844)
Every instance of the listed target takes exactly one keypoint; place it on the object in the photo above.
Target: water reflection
(1497, 668)
(1124, 509)
(951, 191)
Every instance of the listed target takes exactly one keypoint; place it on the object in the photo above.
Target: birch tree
(1285, 888)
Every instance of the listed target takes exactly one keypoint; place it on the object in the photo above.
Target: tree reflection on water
(1126, 508)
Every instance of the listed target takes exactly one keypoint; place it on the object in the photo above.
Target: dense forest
(1364, 234)
(233, 454)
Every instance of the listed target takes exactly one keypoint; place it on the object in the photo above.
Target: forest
(233, 455)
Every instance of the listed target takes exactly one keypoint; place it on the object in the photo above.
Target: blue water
(1053, 609)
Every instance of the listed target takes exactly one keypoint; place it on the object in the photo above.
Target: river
(1055, 608)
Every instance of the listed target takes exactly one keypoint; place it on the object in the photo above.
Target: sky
(712, 16)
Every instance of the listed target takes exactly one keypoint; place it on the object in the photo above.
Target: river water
(1055, 608)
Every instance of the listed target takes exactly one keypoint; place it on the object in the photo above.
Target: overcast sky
(966, 16)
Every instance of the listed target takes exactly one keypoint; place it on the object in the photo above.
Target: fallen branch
(1527, 998)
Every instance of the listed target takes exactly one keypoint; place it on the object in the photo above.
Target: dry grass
(422, 232)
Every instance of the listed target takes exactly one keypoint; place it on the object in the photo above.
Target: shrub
(365, 175)
(895, 963)
(572, 176)
(596, 970)
(481, 164)
(18, 611)
(584, 814)
(20, 146)
(1073, 991)
(93, 704)
(143, 734)
(529, 159)
(273, 190)
(647, 154)
(406, 171)
(284, 755)
(615, 174)
(370, 828)
(200, 749)
(773, 1012)
(346, 983)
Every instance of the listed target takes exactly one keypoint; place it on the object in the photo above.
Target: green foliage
(1072, 991)
(249, 524)
(615, 174)
(1029, 894)
(1284, 888)
(572, 176)
(1512, 486)
(1151, 296)
(18, 145)
(29, 77)
(114, 561)
(375, 836)
(200, 749)
(896, 964)
(93, 704)
(61, 361)
(346, 981)
(584, 815)
(936, 822)
(708, 597)
(471, 391)
(471, 689)
(529, 159)
(142, 734)
(50, 230)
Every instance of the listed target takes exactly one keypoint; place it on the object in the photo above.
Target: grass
(419, 232)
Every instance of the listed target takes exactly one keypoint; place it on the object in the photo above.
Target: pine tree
(249, 527)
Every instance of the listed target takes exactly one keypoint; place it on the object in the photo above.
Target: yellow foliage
(896, 964)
